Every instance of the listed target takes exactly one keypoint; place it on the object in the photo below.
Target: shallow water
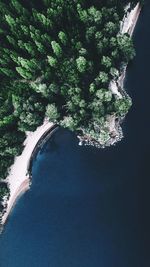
(89, 207)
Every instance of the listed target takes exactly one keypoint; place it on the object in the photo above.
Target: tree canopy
(57, 58)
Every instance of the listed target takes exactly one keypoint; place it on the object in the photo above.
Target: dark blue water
(89, 207)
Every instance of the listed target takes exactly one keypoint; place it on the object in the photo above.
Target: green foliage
(63, 37)
(4, 191)
(24, 73)
(69, 122)
(19, 8)
(104, 95)
(111, 28)
(57, 59)
(107, 62)
(7, 120)
(52, 112)
(122, 106)
(52, 61)
(29, 121)
(125, 45)
(81, 64)
(56, 48)
(10, 20)
(7, 72)
(102, 78)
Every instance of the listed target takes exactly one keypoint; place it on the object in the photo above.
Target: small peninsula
(62, 62)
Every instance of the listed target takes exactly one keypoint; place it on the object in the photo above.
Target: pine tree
(52, 112)
(31, 48)
(24, 73)
(11, 21)
(8, 72)
(63, 37)
(81, 64)
(11, 40)
(19, 8)
(52, 61)
(56, 48)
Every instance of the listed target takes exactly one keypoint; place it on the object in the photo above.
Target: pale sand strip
(130, 21)
(18, 178)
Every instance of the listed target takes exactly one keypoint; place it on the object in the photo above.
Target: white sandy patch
(130, 19)
(18, 178)
(114, 89)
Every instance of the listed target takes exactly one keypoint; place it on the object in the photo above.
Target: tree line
(57, 58)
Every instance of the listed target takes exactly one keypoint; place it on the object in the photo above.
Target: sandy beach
(18, 178)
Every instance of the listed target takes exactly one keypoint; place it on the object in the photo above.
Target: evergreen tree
(81, 64)
(57, 60)
(52, 112)
(56, 48)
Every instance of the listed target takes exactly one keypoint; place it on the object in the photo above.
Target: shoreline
(116, 85)
(133, 18)
(128, 25)
(19, 176)
(41, 142)
(24, 186)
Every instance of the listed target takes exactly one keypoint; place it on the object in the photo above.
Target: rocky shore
(113, 122)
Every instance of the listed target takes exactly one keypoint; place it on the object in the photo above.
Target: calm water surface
(89, 207)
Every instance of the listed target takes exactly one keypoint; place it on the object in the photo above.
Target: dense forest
(57, 58)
